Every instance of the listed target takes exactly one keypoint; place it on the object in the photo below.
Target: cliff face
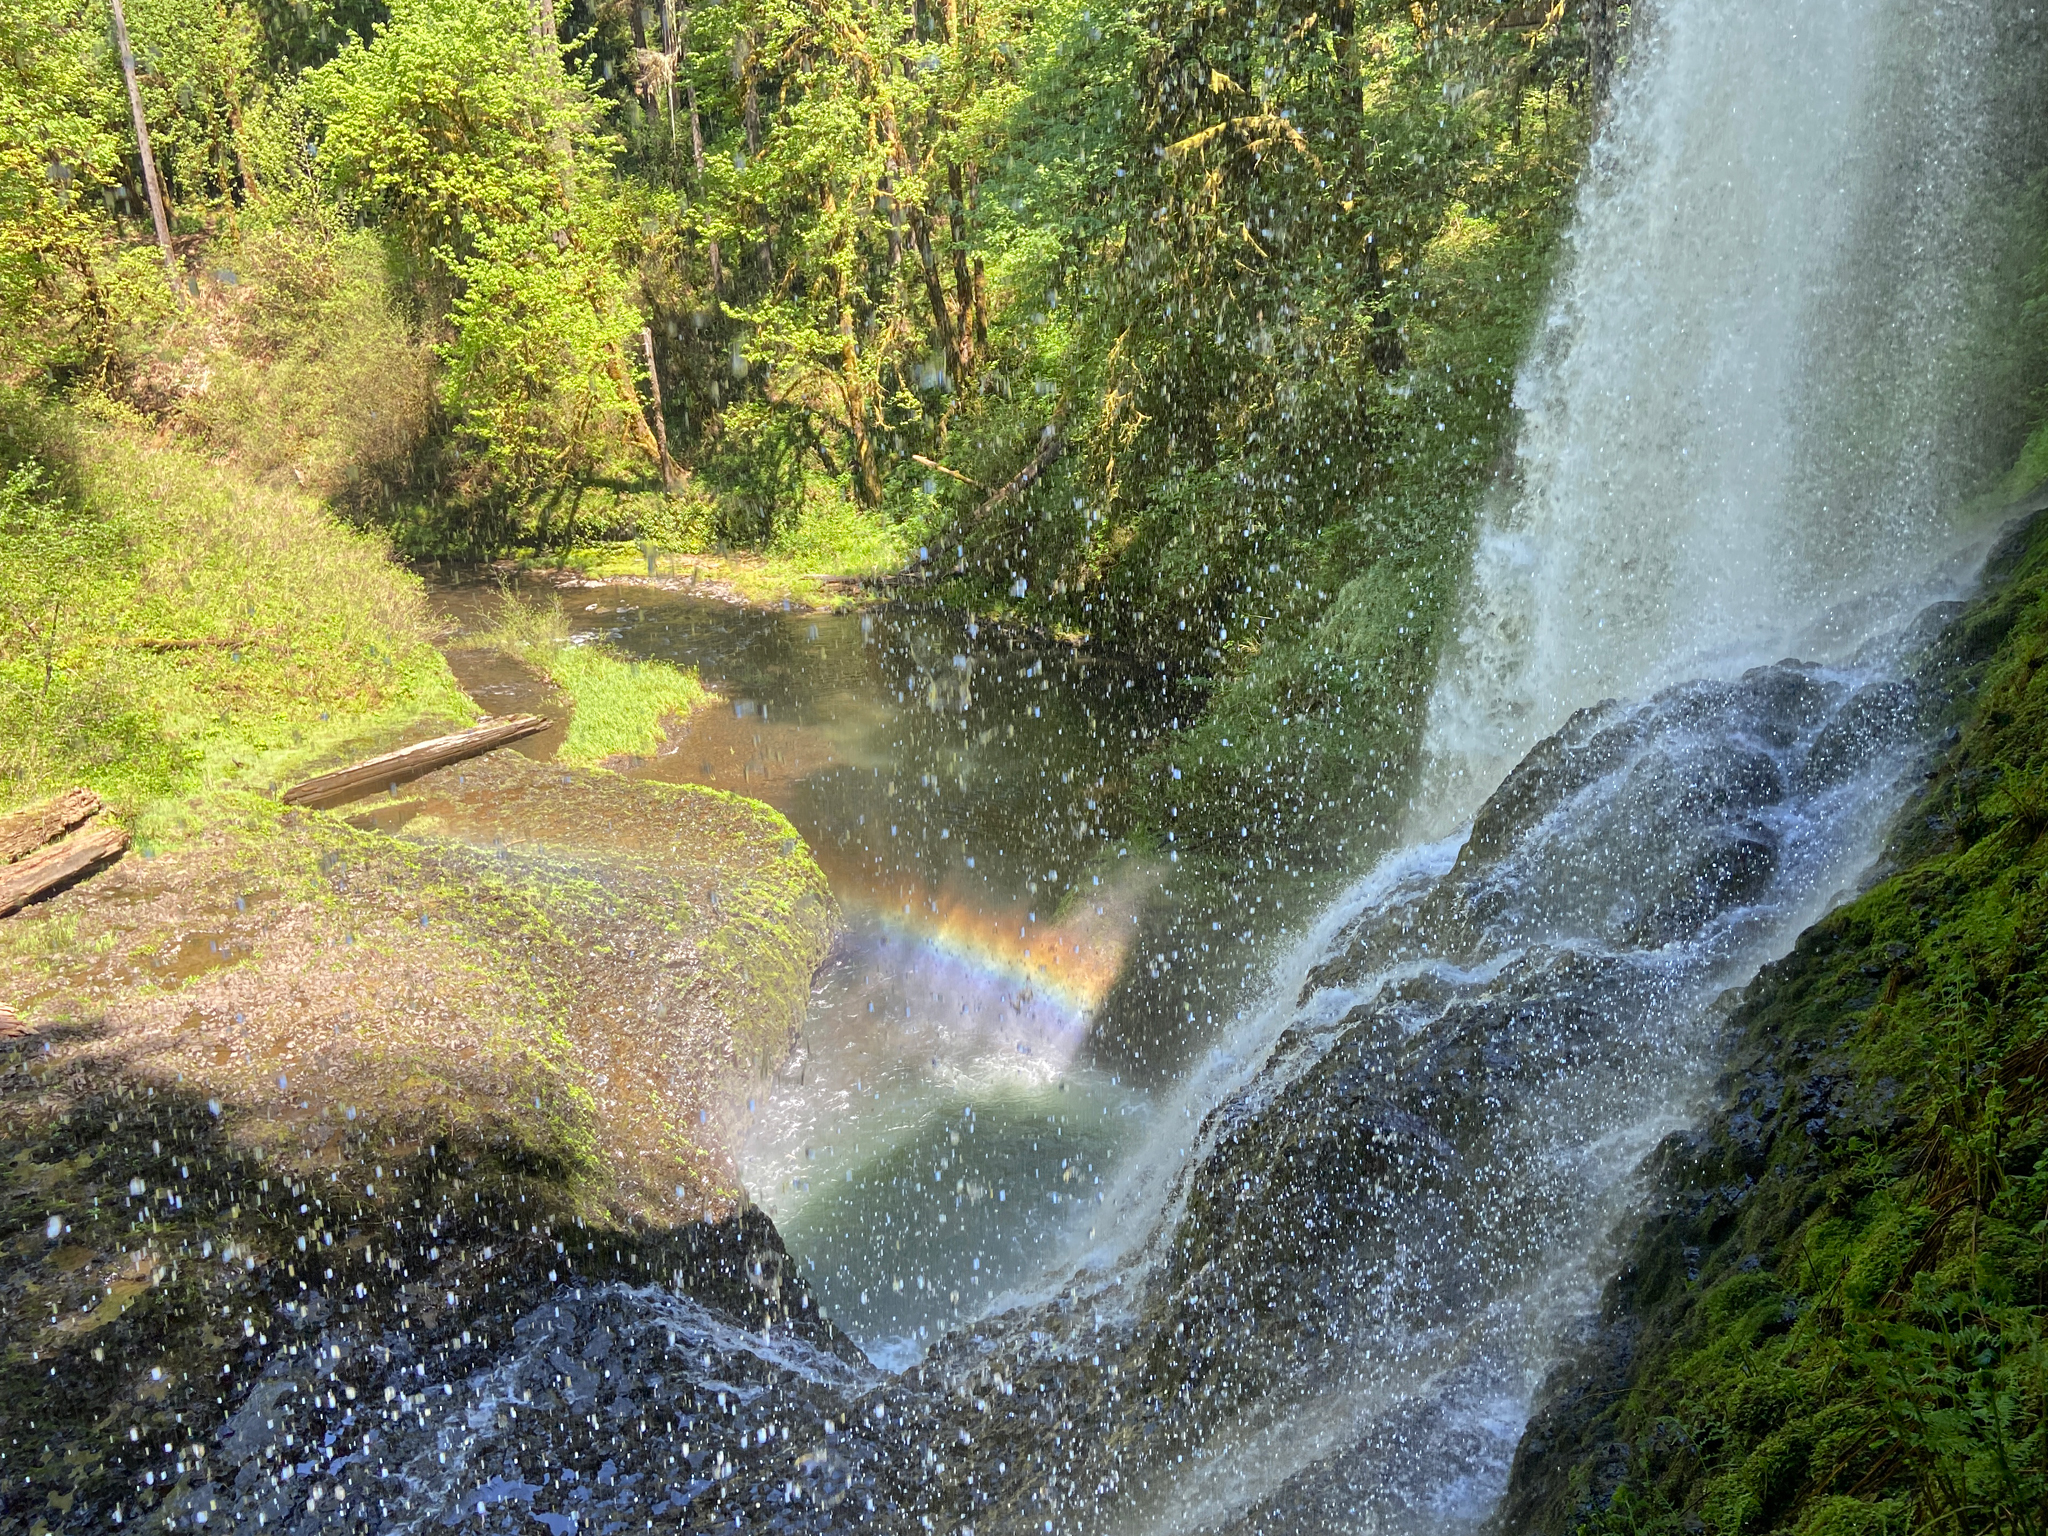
(1831, 1317)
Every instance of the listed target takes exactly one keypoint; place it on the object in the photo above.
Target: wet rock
(1881, 718)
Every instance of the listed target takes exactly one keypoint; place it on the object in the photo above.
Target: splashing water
(1751, 402)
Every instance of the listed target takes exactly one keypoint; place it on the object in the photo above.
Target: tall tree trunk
(668, 476)
(750, 99)
(668, 47)
(149, 179)
(934, 289)
(696, 129)
(965, 328)
(1603, 44)
(980, 309)
(867, 472)
(547, 49)
(689, 89)
(887, 187)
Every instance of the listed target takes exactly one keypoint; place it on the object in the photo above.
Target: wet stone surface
(1366, 1264)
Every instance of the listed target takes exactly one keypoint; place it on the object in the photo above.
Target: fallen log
(1049, 445)
(395, 768)
(47, 869)
(23, 832)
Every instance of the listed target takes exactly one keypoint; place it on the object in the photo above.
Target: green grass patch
(620, 702)
(171, 627)
(764, 580)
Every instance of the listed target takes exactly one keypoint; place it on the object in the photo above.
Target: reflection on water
(943, 1130)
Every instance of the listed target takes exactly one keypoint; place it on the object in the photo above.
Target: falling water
(1753, 400)
(1747, 426)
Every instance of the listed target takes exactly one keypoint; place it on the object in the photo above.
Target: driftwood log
(395, 768)
(47, 869)
(23, 832)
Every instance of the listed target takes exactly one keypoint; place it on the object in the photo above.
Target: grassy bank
(619, 703)
(185, 642)
(172, 627)
(1836, 1321)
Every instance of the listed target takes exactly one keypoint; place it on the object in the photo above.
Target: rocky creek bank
(390, 1073)
(1831, 1317)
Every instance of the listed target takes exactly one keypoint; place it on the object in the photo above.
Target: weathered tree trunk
(394, 768)
(696, 129)
(966, 327)
(934, 290)
(980, 309)
(867, 471)
(689, 89)
(22, 832)
(1049, 445)
(57, 865)
(149, 177)
(668, 47)
(1388, 355)
(1603, 45)
(660, 422)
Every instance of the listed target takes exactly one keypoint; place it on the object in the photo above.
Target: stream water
(945, 1127)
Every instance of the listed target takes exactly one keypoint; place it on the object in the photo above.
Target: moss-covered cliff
(1832, 1318)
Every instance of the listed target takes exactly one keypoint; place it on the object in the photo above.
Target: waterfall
(1748, 428)
(1747, 417)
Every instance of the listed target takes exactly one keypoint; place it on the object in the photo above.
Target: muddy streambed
(1016, 985)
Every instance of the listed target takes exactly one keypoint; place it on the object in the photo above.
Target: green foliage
(620, 703)
(58, 100)
(461, 130)
(534, 365)
(169, 626)
(1266, 273)
(197, 65)
(452, 121)
(1187, 329)
(296, 363)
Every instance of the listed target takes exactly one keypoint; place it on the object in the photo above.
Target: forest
(1186, 328)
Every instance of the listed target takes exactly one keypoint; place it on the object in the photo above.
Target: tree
(457, 125)
(60, 150)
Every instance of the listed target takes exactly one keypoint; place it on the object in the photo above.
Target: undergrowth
(172, 627)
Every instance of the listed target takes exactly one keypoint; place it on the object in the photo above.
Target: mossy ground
(263, 1060)
(567, 970)
(1835, 1321)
